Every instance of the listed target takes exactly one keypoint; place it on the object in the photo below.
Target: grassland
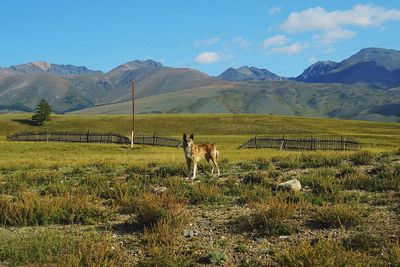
(97, 204)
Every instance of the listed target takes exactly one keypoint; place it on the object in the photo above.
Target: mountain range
(364, 86)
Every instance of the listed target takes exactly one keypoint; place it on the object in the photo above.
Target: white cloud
(208, 42)
(331, 36)
(207, 58)
(318, 19)
(274, 40)
(274, 10)
(288, 50)
(241, 41)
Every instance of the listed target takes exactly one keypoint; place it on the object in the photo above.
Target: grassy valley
(97, 204)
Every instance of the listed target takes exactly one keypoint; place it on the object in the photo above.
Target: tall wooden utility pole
(133, 114)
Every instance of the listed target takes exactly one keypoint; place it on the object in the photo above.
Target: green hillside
(284, 98)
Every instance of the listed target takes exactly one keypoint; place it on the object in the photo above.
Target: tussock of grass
(320, 253)
(162, 241)
(365, 241)
(206, 193)
(152, 208)
(336, 216)
(51, 247)
(383, 177)
(310, 160)
(32, 209)
(269, 217)
(362, 157)
(254, 177)
(254, 194)
(324, 184)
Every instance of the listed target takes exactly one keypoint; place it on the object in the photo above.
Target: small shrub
(262, 164)
(381, 178)
(324, 184)
(167, 171)
(269, 217)
(32, 209)
(309, 160)
(365, 241)
(217, 257)
(362, 157)
(319, 253)
(203, 193)
(162, 242)
(320, 160)
(345, 169)
(253, 178)
(336, 216)
(54, 248)
(152, 208)
(253, 194)
(394, 254)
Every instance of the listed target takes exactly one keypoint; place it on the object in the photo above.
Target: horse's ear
(184, 136)
(192, 137)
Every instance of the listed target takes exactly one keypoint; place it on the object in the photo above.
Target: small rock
(283, 237)
(158, 189)
(292, 185)
(188, 233)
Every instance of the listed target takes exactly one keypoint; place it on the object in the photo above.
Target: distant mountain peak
(246, 73)
(138, 64)
(377, 67)
(43, 66)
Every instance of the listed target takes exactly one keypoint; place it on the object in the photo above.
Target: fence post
(341, 143)
(282, 143)
(87, 136)
(47, 135)
(311, 143)
(255, 142)
(154, 139)
(66, 136)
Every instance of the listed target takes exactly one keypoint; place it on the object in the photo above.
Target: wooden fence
(155, 140)
(89, 137)
(283, 143)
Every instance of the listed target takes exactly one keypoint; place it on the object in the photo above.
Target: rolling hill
(364, 86)
(285, 98)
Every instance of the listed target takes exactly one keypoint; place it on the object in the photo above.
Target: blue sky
(210, 35)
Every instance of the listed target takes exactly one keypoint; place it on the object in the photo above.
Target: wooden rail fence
(67, 136)
(89, 137)
(312, 143)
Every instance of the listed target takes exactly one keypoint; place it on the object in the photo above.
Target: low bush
(381, 178)
(32, 209)
(362, 157)
(269, 217)
(336, 216)
(249, 194)
(254, 178)
(324, 184)
(320, 253)
(365, 241)
(51, 247)
(309, 160)
(152, 208)
(204, 193)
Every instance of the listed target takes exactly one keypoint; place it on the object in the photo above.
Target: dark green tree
(43, 111)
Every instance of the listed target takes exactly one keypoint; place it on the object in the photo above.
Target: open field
(69, 204)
